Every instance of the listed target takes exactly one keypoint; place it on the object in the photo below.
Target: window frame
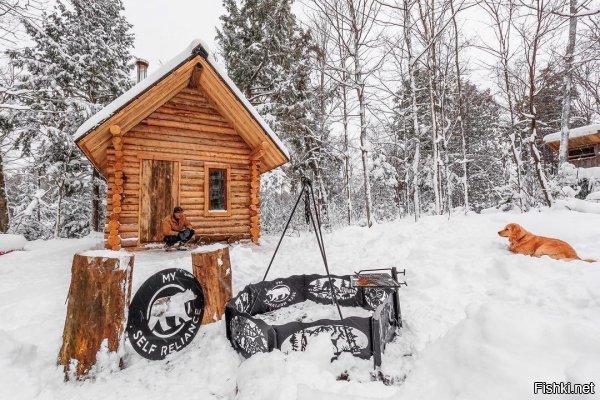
(217, 213)
(582, 156)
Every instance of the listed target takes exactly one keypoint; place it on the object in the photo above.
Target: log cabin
(584, 145)
(187, 136)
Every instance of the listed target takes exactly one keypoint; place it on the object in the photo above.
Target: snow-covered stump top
(209, 248)
(97, 312)
(124, 257)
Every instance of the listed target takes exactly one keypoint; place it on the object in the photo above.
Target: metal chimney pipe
(142, 69)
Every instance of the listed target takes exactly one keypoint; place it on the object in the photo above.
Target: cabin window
(217, 201)
(581, 153)
(217, 190)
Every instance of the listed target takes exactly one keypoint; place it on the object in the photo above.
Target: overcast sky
(163, 28)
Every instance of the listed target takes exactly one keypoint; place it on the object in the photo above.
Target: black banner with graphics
(165, 313)
(363, 337)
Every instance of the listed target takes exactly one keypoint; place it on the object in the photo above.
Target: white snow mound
(10, 242)
(479, 321)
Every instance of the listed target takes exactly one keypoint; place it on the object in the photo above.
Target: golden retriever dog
(523, 242)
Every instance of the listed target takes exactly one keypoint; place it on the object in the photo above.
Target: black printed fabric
(363, 337)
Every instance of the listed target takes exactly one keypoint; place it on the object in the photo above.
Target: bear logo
(278, 293)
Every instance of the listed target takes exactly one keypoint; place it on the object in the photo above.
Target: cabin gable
(195, 74)
(184, 136)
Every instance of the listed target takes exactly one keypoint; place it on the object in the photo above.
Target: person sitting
(176, 229)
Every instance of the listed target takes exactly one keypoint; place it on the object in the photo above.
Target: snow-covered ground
(480, 322)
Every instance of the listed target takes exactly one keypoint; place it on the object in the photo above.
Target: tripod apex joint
(306, 181)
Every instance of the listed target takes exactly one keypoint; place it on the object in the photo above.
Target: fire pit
(250, 329)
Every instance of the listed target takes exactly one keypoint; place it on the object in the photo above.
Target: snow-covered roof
(137, 90)
(573, 133)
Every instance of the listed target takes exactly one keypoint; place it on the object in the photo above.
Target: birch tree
(534, 31)
(460, 118)
(502, 15)
(563, 152)
(355, 24)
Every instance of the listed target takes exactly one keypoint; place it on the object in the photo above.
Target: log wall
(190, 130)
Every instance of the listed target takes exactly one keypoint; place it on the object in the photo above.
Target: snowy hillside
(480, 322)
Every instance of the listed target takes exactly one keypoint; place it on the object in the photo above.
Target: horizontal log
(196, 98)
(186, 109)
(222, 230)
(181, 154)
(188, 131)
(130, 203)
(194, 118)
(128, 220)
(195, 94)
(200, 194)
(191, 146)
(129, 235)
(128, 227)
(125, 215)
(198, 215)
(129, 242)
(189, 126)
(196, 105)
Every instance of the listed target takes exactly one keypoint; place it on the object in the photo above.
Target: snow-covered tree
(79, 61)
(279, 67)
(266, 55)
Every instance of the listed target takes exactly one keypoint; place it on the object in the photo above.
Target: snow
(589, 173)
(593, 196)
(573, 133)
(156, 76)
(10, 242)
(210, 247)
(123, 256)
(105, 254)
(584, 206)
(479, 321)
(310, 311)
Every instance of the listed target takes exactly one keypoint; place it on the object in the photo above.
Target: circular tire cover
(165, 313)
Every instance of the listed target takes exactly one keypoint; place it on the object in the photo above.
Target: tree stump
(212, 268)
(97, 312)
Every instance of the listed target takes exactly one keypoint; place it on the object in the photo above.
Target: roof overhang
(578, 137)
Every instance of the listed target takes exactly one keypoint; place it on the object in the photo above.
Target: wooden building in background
(184, 135)
(584, 145)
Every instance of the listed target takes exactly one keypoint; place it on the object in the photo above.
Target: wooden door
(159, 193)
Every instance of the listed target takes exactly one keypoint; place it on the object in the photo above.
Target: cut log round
(212, 268)
(96, 311)
(115, 130)
(113, 225)
(113, 240)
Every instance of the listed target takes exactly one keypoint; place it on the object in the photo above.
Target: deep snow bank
(480, 322)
